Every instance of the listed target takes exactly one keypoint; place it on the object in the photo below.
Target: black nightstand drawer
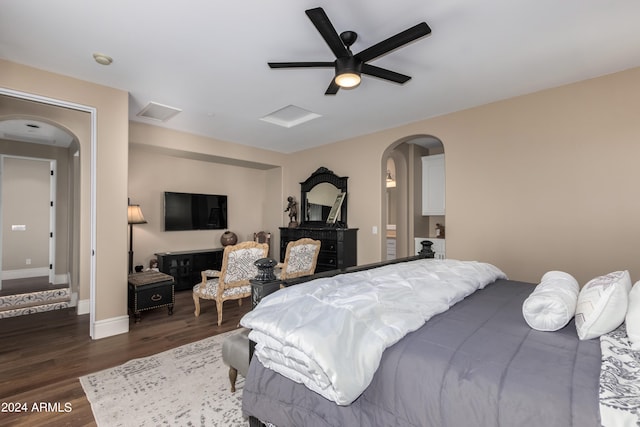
(153, 296)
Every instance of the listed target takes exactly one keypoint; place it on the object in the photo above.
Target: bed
(475, 363)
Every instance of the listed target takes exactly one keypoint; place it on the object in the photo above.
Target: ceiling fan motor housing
(348, 64)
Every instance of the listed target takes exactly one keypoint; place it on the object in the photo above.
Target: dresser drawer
(326, 261)
(338, 246)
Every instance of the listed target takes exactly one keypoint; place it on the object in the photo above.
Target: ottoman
(235, 354)
(149, 290)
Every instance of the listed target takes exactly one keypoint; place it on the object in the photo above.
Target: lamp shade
(134, 215)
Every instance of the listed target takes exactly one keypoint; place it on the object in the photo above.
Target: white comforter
(329, 333)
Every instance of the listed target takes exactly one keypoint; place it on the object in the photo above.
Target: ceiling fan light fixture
(348, 80)
(347, 72)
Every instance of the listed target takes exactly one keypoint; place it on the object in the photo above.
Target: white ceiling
(209, 58)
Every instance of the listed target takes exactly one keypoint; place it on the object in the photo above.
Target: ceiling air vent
(159, 112)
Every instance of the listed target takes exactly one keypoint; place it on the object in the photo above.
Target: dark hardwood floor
(42, 355)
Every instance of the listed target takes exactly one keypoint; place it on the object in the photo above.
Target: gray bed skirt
(477, 364)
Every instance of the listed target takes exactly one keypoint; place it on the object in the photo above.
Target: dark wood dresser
(338, 246)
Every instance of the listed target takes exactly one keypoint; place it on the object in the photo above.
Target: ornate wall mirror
(318, 194)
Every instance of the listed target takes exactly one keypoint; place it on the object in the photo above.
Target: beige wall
(535, 183)
(251, 205)
(167, 160)
(27, 249)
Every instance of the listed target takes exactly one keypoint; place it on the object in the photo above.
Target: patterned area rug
(185, 386)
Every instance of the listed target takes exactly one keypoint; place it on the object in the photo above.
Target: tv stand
(185, 266)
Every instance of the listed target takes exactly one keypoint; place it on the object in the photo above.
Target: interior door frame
(92, 185)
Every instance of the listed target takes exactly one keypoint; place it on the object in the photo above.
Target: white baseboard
(84, 305)
(109, 327)
(24, 273)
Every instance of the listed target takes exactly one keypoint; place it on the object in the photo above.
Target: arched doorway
(37, 158)
(402, 213)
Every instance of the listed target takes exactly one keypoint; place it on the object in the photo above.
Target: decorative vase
(228, 238)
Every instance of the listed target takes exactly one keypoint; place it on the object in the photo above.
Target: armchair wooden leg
(219, 308)
(233, 376)
(196, 302)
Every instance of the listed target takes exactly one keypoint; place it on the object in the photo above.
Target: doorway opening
(32, 280)
(402, 215)
(76, 261)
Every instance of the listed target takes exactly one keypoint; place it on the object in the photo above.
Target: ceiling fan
(349, 67)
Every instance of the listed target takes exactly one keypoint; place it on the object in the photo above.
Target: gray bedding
(477, 364)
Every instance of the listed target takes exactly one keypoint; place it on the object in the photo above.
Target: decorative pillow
(633, 317)
(552, 303)
(602, 304)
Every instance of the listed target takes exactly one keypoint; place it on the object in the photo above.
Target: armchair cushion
(210, 289)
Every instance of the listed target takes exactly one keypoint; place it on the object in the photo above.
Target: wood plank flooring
(42, 355)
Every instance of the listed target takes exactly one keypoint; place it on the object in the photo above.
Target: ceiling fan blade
(394, 42)
(327, 31)
(301, 64)
(383, 73)
(333, 88)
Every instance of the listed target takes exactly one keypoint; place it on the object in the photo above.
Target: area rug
(185, 386)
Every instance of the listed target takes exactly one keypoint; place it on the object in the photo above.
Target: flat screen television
(189, 211)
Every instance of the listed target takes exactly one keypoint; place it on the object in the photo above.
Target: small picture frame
(335, 210)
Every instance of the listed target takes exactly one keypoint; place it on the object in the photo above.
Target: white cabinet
(433, 185)
(438, 246)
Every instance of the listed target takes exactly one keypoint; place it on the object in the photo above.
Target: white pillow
(552, 303)
(633, 317)
(602, 304)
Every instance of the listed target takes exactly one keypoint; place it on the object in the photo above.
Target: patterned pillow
(633, 317)
(602, 304)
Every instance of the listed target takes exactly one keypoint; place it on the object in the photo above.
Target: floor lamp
(134, 216)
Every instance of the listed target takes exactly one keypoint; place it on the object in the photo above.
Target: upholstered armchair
(232, 281)
(300, 259)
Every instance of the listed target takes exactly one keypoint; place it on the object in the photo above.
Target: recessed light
(102, 59)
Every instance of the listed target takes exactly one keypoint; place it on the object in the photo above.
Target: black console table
(338, 246)
(185, 266)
